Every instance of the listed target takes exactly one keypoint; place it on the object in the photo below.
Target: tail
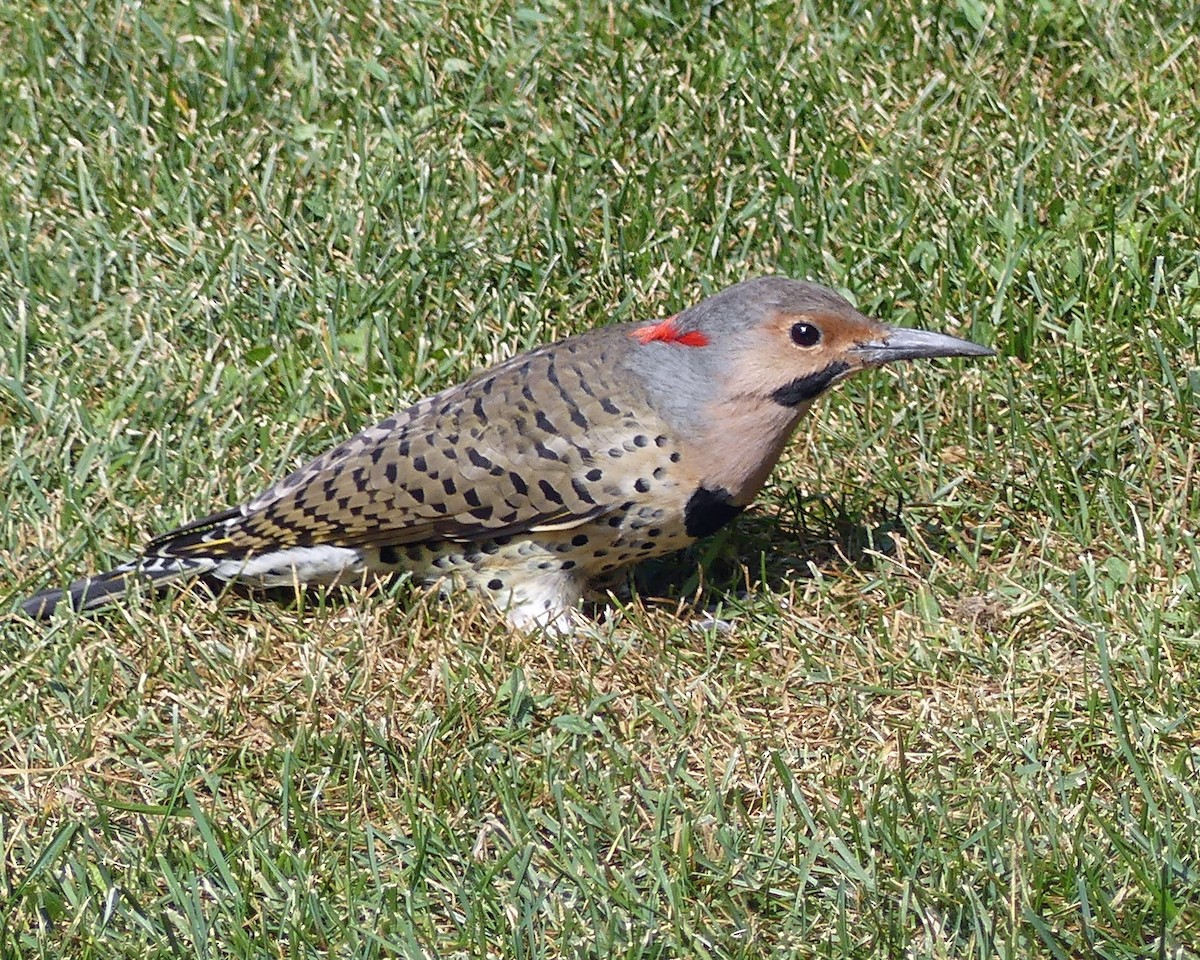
(104, 588)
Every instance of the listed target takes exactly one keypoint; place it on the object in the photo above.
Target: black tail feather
(104, 588)
(80, 595)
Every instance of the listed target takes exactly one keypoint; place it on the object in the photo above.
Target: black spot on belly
(389, 555)
(707, 511)
(810, 386)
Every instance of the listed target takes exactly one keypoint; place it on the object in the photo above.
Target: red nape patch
(665, 331)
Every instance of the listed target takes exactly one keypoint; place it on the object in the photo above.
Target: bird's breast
(741, 442)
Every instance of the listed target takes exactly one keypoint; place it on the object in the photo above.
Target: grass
(955, 713)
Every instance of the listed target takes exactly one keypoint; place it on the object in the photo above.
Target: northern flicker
(553, 469)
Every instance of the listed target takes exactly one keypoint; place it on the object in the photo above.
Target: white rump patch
(283, 568)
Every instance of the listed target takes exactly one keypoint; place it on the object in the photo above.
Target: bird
(542, 476)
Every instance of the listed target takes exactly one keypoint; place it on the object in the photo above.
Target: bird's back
(521, 445)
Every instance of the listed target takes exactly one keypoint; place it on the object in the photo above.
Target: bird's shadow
(771, 547)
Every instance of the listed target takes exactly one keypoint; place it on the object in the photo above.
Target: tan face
(794, 357)
(811, 339)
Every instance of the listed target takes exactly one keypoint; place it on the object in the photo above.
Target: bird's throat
(744, 440)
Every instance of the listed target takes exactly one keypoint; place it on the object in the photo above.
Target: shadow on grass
(771, 546)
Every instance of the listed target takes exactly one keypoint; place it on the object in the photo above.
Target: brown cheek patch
(665, 331)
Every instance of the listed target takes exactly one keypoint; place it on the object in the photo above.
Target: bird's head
(779, 341)
(738, 370)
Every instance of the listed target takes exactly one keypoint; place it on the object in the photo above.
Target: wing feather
(486, 459)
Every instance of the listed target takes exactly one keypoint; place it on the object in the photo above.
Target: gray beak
(901, 343)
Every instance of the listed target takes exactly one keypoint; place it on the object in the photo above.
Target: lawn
(937, 695)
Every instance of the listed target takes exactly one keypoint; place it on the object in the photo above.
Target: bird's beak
(901, 343)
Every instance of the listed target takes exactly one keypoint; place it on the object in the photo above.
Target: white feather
(282, 568)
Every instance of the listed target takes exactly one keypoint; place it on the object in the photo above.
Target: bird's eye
(805, 334)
